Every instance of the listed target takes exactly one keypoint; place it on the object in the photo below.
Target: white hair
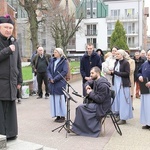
(60, 51)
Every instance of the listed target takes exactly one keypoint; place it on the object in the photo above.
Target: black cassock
(10, 77)
(8, 119)
(88, 116)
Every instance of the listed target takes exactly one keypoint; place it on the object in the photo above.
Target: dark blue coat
(145, 70)
(56, 76)
(87, 62)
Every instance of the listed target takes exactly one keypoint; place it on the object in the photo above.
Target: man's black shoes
(12, 138)
(39, 97)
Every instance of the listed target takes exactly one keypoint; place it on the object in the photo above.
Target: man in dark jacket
(138, 62)
(88, 116)
(40, 63)
(10, 78)
(90, 59)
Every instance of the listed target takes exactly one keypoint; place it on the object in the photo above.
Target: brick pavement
(36, 125)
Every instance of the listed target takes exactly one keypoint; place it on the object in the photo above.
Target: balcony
(128, 33)
(132, 33)
(132, 18)
(91, 33)
(132, 45)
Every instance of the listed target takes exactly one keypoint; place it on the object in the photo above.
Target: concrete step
(24, 145)
(20, 145)
(2, 142)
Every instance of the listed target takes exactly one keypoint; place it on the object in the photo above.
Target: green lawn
(74, 66)
(27, 71)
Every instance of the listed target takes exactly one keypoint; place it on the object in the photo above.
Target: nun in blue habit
(144, 72)
(121, 84)
(57, 69)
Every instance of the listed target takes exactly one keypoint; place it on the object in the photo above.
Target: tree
(63, 26)
(118, 37)
(31, 6)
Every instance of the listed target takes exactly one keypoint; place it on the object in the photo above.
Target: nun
(57, 71)
(122, 105)
(143, 73)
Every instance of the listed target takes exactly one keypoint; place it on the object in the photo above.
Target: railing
(91, 33)
(110, 31)
(130, 17)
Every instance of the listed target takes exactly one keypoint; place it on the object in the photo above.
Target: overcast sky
(147, 4)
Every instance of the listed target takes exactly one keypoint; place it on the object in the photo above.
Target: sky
(147, 4)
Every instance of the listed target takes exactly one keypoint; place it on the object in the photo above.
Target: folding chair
(111, 114)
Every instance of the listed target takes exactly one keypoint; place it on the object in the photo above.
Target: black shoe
(34, 93)
(117, 119)
(39, 97)
(57, 119)
(62, 119)
(19, 101)
(46, 97)
(12, 138)
(146, 127)
(121, 122)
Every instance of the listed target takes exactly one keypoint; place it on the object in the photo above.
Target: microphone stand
(66, 125)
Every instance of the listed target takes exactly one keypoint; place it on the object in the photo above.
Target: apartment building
(98, 28)
(93, 27)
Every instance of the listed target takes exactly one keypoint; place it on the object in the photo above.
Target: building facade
(97, 26)
(93, 27)
(129, 12)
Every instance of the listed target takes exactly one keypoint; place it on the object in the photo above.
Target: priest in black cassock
(87, 121)
(10, 78)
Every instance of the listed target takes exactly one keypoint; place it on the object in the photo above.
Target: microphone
(75, 93)
(12, 40)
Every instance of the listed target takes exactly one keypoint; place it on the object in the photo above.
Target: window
(91, 9)
(91, 29)
(88, 9)
(94, 4)
(110, 28)
(129, 12)
(131, 41)
(115, 13)
(93, 41)
(129, 28)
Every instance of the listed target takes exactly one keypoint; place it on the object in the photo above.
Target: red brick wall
(3, 7)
